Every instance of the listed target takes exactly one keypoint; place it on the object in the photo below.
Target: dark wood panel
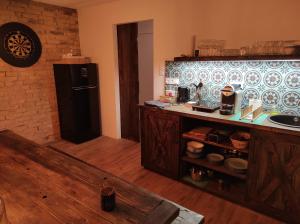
(160, 141)
(274, 174)
(274, 165)
(68, 189)
(128, 80)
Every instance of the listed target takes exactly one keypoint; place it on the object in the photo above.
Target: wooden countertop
(217, 117)
(41, 185)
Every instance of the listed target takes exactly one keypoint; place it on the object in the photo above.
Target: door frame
(116, 65)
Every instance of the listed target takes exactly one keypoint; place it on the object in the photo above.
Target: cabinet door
(160, 141)
(274, 174)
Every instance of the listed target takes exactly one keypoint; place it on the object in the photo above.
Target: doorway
(135, 59)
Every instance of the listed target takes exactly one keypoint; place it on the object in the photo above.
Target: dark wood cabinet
(274, 174)
(272, 182)
(160, 141)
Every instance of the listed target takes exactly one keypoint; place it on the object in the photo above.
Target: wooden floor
(122, 158)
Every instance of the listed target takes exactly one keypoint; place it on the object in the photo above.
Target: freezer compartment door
(84, 75)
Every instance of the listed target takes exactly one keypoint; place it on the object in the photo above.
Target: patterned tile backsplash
(274, 82)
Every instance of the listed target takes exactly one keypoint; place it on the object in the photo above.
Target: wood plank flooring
(122, 158)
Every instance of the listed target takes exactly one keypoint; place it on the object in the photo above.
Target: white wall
(175, 22)
(145, 51)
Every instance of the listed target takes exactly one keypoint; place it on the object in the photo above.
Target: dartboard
(19, 45)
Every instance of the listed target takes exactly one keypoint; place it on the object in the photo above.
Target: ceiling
(75, 4)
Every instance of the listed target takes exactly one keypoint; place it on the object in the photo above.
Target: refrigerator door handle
(83, 87)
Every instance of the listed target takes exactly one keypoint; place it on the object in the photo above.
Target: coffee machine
(230, 99)
(183, 95)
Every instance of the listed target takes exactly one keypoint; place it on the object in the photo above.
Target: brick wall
(27, 95)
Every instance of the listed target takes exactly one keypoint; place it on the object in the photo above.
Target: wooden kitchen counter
(270, 184)
(41, 185)
(266, 125)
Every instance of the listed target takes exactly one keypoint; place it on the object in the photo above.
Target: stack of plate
(237, 165)
(194, 149)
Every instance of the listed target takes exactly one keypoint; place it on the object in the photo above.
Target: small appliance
(230, 99)
(183, 95)
(206, 106)
(77, 91)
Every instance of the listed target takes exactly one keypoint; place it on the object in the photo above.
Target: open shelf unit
(236, 182)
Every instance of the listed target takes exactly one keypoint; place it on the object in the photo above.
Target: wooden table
(41, 185)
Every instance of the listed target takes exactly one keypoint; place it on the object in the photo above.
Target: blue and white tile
(218, 77)
(294, 64)
(292, 80)
(275, 64)
(291, 99)
(203, 75)
(270, 98)
(251, 94)
(252, 78)
(272, 79)
(234, 76)
(254, 64)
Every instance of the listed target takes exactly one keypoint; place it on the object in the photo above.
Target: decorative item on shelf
(108, 197)
(210, 47)
(19, 45)
(200, 132)
(296, 50)
(215, 158)
(240, 140)
(219, 136)
(243, 51)
(195, 149)
(3, 216)
(230, 52)
(167, 99)
(236, 165)
(197, 175)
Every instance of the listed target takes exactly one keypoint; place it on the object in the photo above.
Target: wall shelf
(239, 58)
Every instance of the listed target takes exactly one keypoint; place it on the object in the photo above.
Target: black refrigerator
(77, 90)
